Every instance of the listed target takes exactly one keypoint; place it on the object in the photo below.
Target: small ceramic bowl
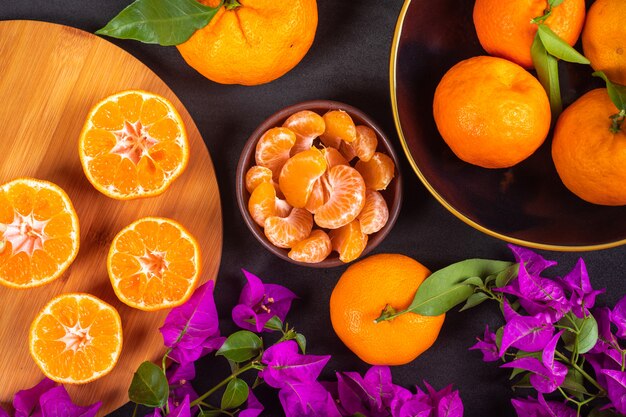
(392, 195)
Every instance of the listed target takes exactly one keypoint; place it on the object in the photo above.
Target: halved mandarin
(339, 126)
(256, 175)
(263, 203)
(133, 144)
(375, 213)
(365, 144)
(313, 249)
(272, 150)
(349, 241)
(346, 198)
(76, 338)
(307, 126)
(285, 232)
(333, 157)
(319, 195)
(377, 172)
(154, 263)
(299, 175)
(39, 233)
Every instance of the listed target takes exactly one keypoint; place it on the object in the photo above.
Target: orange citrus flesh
(153, 264)
(346, 197)
(133, 144)
(339, 126)
(272, 150)
(285, 232)
(313, 249)
(319, 195)
(39, 233)
(264, 203)
(333, 157)
(257, 175)
(299, 175)
(76, 338)
(377, 172)
(365, 144)
(349, 241)
(360, 295)
(375, 213)
(307, 126)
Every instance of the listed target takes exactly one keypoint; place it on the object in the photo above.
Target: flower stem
(252, 365)
(581, 370)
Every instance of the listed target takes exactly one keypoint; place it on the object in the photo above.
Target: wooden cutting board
(50, 76)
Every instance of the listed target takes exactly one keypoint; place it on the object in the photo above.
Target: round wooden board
(51, 76)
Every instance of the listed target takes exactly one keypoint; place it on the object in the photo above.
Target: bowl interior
(525, 204)
(392, 195)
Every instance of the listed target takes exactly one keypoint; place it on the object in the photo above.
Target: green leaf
(447, 287)
(555, 3)
(499, 334)
(587, 333)
(166, 22)
(210, 413)
(241, 346)
(358, 415)
(598, 412)
(617, 92)
(149, 386)
(301, 340)
(474, 300)
(547, 67)
(236, 393)
(275, 323)
(573, 384)
(558, 48)
(523, 382)
(505, 276)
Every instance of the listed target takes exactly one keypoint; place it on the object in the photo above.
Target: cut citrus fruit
(39, 233)
(346, 198)
(285, 232)
(349, 241)
(333, 157)
(256, 175)
(377, 172)
(76, 338)
(339, 126)
(272, 150)
(375, 213)
(154, 263)
(299, 175)
(313, 249)
(319, 195)
(307, 126)
(365, 144)
(133, 144)
(263, 203)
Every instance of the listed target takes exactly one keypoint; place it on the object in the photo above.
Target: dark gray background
(348, 62)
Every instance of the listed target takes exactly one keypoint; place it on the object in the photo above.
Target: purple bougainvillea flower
(307, 400)
(541, 408)
(181, 372)
(547, 374)
(260, 302)
(155, 413)
(539, 294)
(414, 407)
(182, 410)
(3, 413)
(618, 317)
(370, 395)
(254, 408)
(192, 329)
(528, 333)
(487, 346)
(583, 295)
(445, 402)
(57, 403)
(286, 366)
(26, 402)
(616, 389)
(534, 263)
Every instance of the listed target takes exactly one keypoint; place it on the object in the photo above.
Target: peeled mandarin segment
(347, 150)
(76, 338)
(349, 241)
(313, 249)
(286, 232)
(257, 175)
(375, 213)
(307, 126)
(262, 203)
(333, 157)
(154, 264)
(139, 156)
(299, 175)
(377, 172)
(272, 150)
(319, 195)
(39, 233)
(366, 143)
(346, 198)
(339, 126)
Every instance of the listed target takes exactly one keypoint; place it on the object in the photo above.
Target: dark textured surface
(348, 62)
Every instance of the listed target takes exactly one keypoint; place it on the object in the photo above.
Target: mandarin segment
(349, 241)
(375, 213)
(133, 144)
(264, 203)
(377, 172)
(153, 264)
(319, 195)
(299, 174)
(365, 144)
(76, 338)
(333, 157)
(257, 175)
(272, 149)
(39, 233)
(339, 126)
(346, 198)
(307, 126)
(313, 249)
(285, 232)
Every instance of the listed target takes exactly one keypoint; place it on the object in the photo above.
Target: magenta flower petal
(526, 333)
(352, 394)
(583, 295)
(541, 408)
(3, 413)
(618, 317)
(26, 402)
(543, 379)
(57, 403)
(401, 396)
(254, 407)
(307, 400)
(414, 408)
(534, 263)
(378, 385)
(286, 366)
(182, 410)
(253, 292)
(181, 372)
(155, 413)
(487, 346)
(241, 313)
(616, 389)
(450, 405)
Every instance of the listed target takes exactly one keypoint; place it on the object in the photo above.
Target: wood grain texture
(51, 75)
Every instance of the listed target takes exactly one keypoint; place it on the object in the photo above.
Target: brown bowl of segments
(392, 195)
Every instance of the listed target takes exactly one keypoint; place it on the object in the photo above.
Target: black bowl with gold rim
(526, 204)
